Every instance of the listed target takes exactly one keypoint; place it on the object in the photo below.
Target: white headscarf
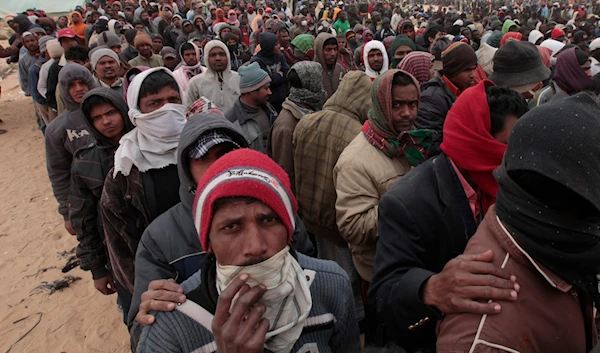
(553, 45)
(535, 35)
(152, 144)
(377, 45)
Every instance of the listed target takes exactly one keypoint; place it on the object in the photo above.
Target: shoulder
(358, 153)
(330, 268)
(86, 152)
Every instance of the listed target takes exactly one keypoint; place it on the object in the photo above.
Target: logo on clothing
(73, 134)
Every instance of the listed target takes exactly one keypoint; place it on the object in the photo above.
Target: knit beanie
(55, 50)
(43, 43)
(141, 38)
(244, 173)
(252, 78)
(100, 52)
(495, 38)
(457, 58)
(108, 39)
(402, 40)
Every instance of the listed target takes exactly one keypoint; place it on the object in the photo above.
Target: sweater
(330, 327)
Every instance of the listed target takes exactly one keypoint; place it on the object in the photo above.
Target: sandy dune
(76, 319)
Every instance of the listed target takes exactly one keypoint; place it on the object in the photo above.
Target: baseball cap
(66, 33)
(557, 32)
(168, 52)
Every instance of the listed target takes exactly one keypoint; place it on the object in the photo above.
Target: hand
(467, 278)
(105, 285)
(162, 295)
(232, 332)
(69, 228)
(8, 61)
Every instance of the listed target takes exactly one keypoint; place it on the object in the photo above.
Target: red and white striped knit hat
(244, 173)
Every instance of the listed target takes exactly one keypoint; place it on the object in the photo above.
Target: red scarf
(469, 143)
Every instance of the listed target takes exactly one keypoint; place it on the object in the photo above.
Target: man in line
(218, 83)
(105, 67)
(68, 39)
(190, 65)
(273, 62)
(419, 272)
(375, 59)
(439, 94)
(326, 53)
(264, 215)
(112, 41)
(106, 117)
(543, 229)
(28, 60)
(145, 168)
(145, 57)
(55, 52)
(41, 105)
(252, 113)
(67, 133)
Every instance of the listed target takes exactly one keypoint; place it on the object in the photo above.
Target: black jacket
(277, 68)
(88, 172)
(424, 222)
(436, 101)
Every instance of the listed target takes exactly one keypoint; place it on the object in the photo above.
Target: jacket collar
(508, 243)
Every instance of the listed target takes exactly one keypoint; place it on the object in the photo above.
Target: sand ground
(32, 236)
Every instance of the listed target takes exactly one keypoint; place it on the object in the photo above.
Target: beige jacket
(361, 176)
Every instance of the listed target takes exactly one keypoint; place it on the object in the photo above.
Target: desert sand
(32, 236)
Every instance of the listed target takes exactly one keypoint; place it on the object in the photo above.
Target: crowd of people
(254, 176)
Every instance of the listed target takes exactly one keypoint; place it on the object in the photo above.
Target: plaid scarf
(379, 129)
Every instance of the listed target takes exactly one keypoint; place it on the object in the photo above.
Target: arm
(282, 150)
(356, 205)
(58, 163)
(24, 78)
(34, 75)
(9, 51)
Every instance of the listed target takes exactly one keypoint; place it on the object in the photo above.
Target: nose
(254, 245)
(405, 111)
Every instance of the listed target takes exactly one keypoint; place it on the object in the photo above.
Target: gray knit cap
(306, 85)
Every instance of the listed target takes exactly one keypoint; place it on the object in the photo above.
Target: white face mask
(287, 299)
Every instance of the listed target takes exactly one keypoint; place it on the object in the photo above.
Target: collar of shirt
(469, 191)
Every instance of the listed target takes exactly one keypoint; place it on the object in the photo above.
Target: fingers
(490, 293)
(484, 268)
(225, 299)
(253, 318)
(486, 256)
(145, 319)
(166, 284)
(487, 280)
(469, 306)
(245, 302)
(258, 339)
(164, 295)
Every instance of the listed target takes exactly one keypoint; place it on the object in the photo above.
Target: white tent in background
(50, 6)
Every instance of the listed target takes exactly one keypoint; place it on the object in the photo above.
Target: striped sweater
(330, 327)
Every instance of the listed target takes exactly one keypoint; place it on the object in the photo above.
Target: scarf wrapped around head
(306, 84)
(418, 64)
(568, 74)
(469, 143)
(379, 129)
(510, 36)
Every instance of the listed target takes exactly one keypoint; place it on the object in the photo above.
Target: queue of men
(320, 177)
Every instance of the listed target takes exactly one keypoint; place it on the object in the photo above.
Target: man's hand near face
(162, 295)
(243, 328)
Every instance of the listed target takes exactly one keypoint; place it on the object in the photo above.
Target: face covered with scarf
(395, 97)
(245, 214)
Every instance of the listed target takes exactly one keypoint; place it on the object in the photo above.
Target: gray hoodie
(66, 134)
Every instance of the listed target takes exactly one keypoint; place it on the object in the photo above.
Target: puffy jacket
(362, 175)
(436, 101)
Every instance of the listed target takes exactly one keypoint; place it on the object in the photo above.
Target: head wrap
(398, 42)
(310, 91)
(569, 76)
(418, 64)
(457, 58)
(495, 38)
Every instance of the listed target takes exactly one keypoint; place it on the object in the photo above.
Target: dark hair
(155, 82)
(582, 57)
(402, 79)
(187, 46)
(137, 23)
(503, 101)
(77, 52)
(93, 101)
(432, 32)
(330, 41)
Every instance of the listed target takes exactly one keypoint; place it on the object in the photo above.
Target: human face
(31, 43)
(330, 51)
(170, 63)
(217, 59)
(405, 105)
(586, 67)
(509, 122)
(145, 50)
(189, 56)
(144, 17)
(139, 27)
(402, 51)
(176, 22)
(157, 45)
(107, 69)
(116, 49)
(109, 122)
(408, 31)
(375, 59)
(63, 21)
(187, 28)
(155, 101)
(67, 43)
(199, 166)
(284, 38)
(341, 43)
(77, 89)
(369, 36)
(261, 96)
(76, 18)
(243, 234)
(465, 79)
(224, 32)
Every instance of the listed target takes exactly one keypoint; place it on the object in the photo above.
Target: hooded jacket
(331, 77)
(221, 88)
(275, 65)
(90, 167)
(323, 136)
(170, 246)
(374, 45)
(183, 74)
(65, 135)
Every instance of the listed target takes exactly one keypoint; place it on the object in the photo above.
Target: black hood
(195, 127)
(118, 102)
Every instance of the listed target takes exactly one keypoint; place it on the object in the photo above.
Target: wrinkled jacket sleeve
(34, 75)
(356, 204)
(432, 116)
(52, 85)
(400, 272)
(83, 214)
(24, 78)
(58, 163)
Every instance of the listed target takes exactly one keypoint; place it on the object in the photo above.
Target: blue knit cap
(252, 78)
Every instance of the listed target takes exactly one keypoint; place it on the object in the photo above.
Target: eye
(230, 226)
